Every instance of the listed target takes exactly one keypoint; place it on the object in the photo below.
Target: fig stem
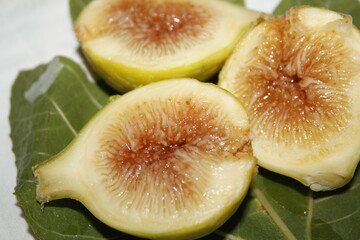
(57, 178)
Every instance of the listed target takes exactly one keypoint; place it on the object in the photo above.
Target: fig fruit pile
(173, 159)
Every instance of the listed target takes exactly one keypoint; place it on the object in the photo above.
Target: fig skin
(73, 173)
(214, 37)
(303, 109)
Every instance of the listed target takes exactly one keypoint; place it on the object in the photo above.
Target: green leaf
(351, 7)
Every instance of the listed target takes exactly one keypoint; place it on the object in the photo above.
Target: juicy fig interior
(161, 150)
(297, 83)
(153, 27)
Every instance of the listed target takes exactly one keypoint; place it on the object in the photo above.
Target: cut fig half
(135, 42)
(168, 160)
(298, 76)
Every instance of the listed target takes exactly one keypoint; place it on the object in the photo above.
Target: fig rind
(78, 171)
(303, 108)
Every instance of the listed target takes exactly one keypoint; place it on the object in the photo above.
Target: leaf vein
(30, 133)
(309, 215)
(75, 236)
(58, 109)
(32, 153)
(273, 214)
(339, 219)
(323, 199)
(33, 116)
(91, 97)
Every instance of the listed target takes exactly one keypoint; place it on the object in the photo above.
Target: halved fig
(169, 160)
(135, 42)
(298, 76)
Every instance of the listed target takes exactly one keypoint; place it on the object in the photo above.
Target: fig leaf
(50, 104)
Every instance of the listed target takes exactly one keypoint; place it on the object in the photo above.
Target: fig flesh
(298, 76)
(170, 160)
(135, 42)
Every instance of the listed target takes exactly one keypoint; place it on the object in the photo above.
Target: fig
(169, 160)
(298, 77)
(134, 42)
